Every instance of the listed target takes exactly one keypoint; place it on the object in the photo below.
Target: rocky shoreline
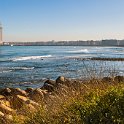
(12, 100)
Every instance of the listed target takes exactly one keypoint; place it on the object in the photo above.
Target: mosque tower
(1, 40)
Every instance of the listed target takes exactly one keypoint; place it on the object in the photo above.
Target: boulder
(119, 79)
(29, 90)
(2, 97)
(51, 82)
(107, 80)
(37, 95)
(5, 109)
(20, 101)
(64, 81)
(48, 87)
(18, 91)
(60, 80)
(6, 92)
(1, 114)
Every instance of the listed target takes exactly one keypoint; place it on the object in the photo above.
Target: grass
(84, 103)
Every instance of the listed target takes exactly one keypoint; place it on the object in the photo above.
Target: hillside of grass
(90, 102)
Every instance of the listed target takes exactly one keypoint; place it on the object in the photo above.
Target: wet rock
(5, 109)
(6, 92)
(119, 79)
(107, 80)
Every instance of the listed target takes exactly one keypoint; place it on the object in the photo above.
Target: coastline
(15, 101)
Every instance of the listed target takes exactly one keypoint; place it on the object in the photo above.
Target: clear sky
(43, 20)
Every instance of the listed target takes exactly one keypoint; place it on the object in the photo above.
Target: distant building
(1, 35)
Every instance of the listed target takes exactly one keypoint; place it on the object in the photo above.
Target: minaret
(1, 40)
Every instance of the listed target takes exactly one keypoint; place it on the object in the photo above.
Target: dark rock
(6, 92)
(64, 81)
(60, 80)
(51, 82)
(29, 90)
(107, 80)
(49, 85)
(119, 79)
(37, 95)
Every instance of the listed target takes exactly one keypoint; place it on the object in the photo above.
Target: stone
(18, 91)
(48, 87)
(20, 101)
(119, 79)
(51, 82)
(64, 81)
(60, 80)
(2, 97)
(6, 92)
(8, 117)
(29, 90)
(107, 80)
(37, 95)
(5, 109)
(1, 114)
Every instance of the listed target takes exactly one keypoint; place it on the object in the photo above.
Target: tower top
(0, 25)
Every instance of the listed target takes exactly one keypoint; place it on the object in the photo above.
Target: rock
(48, 87)
(6, 92)
(107, 80)
(20, 101)
(5, 109)
(37, 95)
(8, 117)
(64, 81)
(51, 82)
(29, 90)
(60, 80)
(5, 102)
(119, 79)
(18, 91)
(2, 97)
(1, 114)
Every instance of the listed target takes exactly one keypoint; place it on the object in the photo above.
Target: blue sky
(43, 20)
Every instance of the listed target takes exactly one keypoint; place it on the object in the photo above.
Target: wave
(30, 58)
(5, 71)
(79, 51)
(22, 68)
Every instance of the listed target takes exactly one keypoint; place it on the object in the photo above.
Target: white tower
(1, 35)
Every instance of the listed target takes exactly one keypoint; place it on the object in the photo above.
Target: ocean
(30, 66)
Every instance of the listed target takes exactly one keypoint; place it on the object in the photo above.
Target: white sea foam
(79, 51)
(5, 71)
(22, 68)
(30, 58)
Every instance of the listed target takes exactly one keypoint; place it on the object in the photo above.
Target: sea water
(30, 66)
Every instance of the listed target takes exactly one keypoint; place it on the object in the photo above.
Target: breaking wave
(79, 51)
(30, 58)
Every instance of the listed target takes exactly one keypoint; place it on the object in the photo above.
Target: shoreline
(15, 100)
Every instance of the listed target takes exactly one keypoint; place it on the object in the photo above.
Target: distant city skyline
(45, 20)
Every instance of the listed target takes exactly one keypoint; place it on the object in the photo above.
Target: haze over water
(22, 66)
